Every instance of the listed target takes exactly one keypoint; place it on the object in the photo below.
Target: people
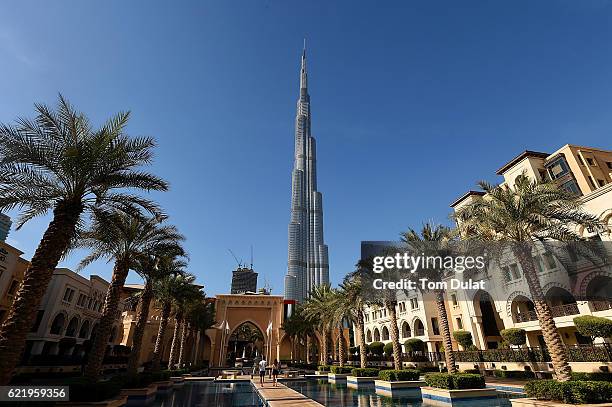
(262, 371)
(255, 366)
(275, 370)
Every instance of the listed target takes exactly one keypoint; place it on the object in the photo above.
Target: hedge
(340, 370)
(365, 372)
(593, 376)
(573, 392)
(376, 348)
(472, 371)
(456, 381)
(463, 338)
(514, 336)
(399, 375)
(514, 374)
(388, 349)
(414, 344)
(597, 327)
(324, 368)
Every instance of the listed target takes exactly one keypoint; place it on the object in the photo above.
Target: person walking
(262, 371)
(275, 370)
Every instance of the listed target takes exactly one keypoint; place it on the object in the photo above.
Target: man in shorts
(262, 371)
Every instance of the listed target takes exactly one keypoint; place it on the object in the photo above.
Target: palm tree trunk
(161, 332)
(324, 347)
(451, 365)
(109, 313)
(307, 349)
(22, 313)
(182, 347)
(175, 344)
(341, 352)
(552, 338)
(362, 344)
(141, 322)
(397, 349)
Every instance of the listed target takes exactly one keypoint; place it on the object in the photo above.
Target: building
(307, 264)
(12, 269)
(5, 226)
(507, 303)
(244, 280)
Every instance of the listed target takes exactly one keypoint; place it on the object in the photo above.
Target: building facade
(5, 226)
(244, 280)
(308, 264)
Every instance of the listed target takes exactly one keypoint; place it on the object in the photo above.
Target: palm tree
(166, 291)
(319, 308)
(353, 302)
(192, 308)
(124, 239)
(530, 212)
(201, 316)
(183, 296)
(58, 162)
(432, 240)
(293, 327)
(152, 267)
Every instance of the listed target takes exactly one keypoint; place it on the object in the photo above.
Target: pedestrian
(275, 370)
(262, 371)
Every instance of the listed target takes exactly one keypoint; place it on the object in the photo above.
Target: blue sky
(413, 102)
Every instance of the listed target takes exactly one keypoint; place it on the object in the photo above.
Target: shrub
(414, 345)
(597, 327)
(323, 368)
(399, 375)
(514, 336)
(365, 372)
(340, 370)
(514, 374)
(388, 349)
(574, 392)
(463, 338)
(593, 376)
(472, 371)
(455, 381)
(376, 348)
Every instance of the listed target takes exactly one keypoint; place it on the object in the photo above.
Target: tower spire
(303, 74)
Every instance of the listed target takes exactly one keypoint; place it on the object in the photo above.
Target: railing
(581, 353)
(601, 305)
(557, 311)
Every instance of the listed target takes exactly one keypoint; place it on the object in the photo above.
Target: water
(205, 394)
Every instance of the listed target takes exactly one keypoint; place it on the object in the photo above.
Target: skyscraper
(5, 226)
(244, 280)
(307, 264)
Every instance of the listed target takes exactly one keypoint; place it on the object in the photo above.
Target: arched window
(73, 325)
(385, 334)
(406, 330)
(84, 331)
(58, 324)
(368, 336)
(376, 335)
(419, 329)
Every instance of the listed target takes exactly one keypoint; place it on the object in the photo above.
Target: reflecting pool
(240, 394)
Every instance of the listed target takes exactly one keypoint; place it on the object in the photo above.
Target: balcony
(601, 305)
(557, 311)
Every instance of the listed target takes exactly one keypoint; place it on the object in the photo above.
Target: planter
(543, 403)
(337, 377)
(445, 397)
(404, 388)
(119, 401)
(177, 381)
(359, 382)
(140, 397)
(163, 387)
(318, 373)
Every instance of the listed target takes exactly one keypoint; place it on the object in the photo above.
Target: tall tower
(308, 264)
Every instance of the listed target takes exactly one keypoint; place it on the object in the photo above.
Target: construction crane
(239, 262)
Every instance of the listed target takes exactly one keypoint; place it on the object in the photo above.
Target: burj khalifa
(307, 264)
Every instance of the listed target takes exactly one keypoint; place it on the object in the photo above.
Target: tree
(58, 162)
(594, 327)
(152, 267)
(514, 336)
(319, 309)
(200, 316)
(530, 212)
(432, 240)
(184, 297)
(123, 238)
(463, 338)
(353, 302)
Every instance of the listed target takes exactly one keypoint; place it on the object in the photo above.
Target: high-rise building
(5, 226)
(244, 280)
(308, 264)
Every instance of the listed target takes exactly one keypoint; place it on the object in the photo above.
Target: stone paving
(281, 396)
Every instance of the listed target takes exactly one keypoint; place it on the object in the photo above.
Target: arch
(57, 326)
(385, 333)
(406, 330)
(512, 297)
(73, 325)
(376, 335)
(247, 340)
(522, 309)
(557, 295)
(419, 328)
(599, 288)
(368, 336)
(84, 331)
(586, 282)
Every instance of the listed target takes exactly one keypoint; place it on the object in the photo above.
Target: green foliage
(573, 392)
(596, 327)
(340, 369)
(592, 376)
(514, 374)
(324, 368)
(414, 344)
(388, 349)
(365, 372)
(514, 336)
(456, 381)
(399, 375)
(472, 371)
(376, 348)
(463, 338)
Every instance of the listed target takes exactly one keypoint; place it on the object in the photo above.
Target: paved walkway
(281, 395)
